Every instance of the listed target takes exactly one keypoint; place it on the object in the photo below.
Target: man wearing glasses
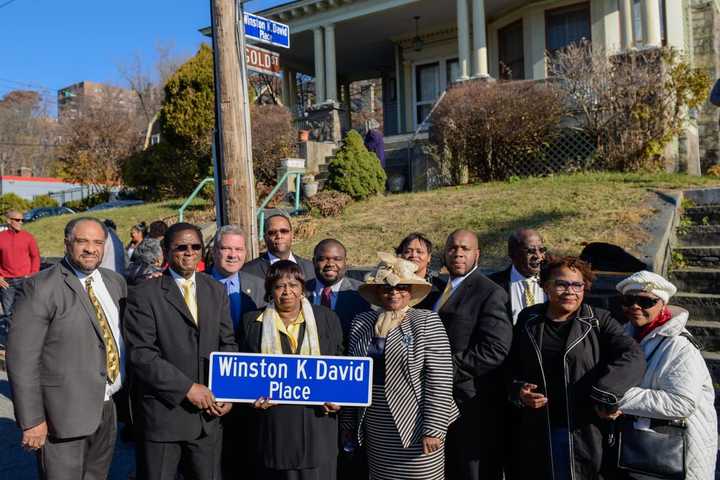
(19, 258)
(521, 279)
(278, 240)
(172, 324)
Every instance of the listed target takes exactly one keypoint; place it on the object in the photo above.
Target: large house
(419, 47)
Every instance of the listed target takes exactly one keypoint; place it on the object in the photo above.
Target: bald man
(473, 310)
(19, 258)
(521, 279)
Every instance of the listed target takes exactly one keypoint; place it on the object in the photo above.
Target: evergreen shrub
(355, 170)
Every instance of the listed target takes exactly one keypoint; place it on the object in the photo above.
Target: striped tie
(112, 358)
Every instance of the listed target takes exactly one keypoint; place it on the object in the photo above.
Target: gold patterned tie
(112, 357)
(529, 293)
(445, 295)
(190, 298)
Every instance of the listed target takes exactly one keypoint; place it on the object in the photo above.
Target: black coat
(502, 278)
(438, 285)
(602, 363)
(480, 333)
(292, 437)
(167, 353)
(260, 266)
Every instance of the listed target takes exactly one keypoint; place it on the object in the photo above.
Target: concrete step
(698, 235)
(704, 256)
(703, 307)
(703, 215)
(707, 333)
(696, 279)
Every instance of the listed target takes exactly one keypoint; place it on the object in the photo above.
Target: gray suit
(56, 354)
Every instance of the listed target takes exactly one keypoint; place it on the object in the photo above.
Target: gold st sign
(261, 60)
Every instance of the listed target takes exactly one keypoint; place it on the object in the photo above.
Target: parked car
(115, 204)
(41, 212)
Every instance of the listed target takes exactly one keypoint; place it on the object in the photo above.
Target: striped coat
(418, 375)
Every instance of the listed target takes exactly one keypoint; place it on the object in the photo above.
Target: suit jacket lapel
(458, 293)
(175, 298)
(73, 282)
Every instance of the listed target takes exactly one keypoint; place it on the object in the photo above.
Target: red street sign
(261, 60)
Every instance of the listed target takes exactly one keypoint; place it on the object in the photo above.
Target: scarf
(389, 320)
(663, 317)
(270, 343)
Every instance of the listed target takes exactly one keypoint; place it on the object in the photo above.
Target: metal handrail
(181, 210)
(261, 208)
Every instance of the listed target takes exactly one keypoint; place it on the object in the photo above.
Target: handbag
(656, 451)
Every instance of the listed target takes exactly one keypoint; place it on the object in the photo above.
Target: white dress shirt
(113, 317)
(455, 283)
(334, 289)
(518, 284)
(274, 259)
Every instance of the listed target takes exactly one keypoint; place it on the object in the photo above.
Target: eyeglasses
(19, 220)
(534, 251)
(642, 302)
(563, 286)
(399, 288)
(183, 247)
(280, 231)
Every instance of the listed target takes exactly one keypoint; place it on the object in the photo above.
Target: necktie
(112, 357)
(529, 292)
(190, 299)
(445, 295)
(326, 297)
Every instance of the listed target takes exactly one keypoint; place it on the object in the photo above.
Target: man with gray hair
(65, 358)
(245, 292)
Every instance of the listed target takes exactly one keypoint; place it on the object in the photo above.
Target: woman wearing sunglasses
(677, 384)
(570, 365)
(404, 429)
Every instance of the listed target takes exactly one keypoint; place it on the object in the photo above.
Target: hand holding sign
(200, 396)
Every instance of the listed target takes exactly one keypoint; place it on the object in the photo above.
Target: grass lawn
(49, 231)
(567, 209)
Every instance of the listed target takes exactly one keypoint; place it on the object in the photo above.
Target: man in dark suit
(521, 279)
(172, 324)
(473, 311)
(65, 358)
(331, 288)
(278, 240)
(246, 293)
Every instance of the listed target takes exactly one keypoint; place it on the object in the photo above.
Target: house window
(568, 25)
(511, 51)
(427, 89)
(431, 79)
(155, 139)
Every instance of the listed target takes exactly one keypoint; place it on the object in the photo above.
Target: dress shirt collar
(319, 286)
(179, 279)
(516, 276)
(456, 281)
(274, 259)
(232, 278)
(82, 276)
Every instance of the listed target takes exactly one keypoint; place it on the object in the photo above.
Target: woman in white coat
(677, 384)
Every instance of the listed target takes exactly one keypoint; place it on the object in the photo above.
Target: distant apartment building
(74, 99)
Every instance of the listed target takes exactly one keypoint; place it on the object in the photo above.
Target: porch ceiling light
(418, 44)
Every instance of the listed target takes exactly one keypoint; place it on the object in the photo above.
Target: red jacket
(19, 254)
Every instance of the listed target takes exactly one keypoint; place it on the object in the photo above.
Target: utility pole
(232, 141)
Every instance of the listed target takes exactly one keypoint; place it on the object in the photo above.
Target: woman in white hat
(412, 405)
(677, 384)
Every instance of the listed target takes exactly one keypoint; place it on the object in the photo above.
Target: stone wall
(705, 51)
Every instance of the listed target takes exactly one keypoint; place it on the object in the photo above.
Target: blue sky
(50, 44)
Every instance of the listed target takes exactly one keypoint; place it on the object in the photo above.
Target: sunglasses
(19, 220)
(642, 302)
(183, 247)
(399, 288)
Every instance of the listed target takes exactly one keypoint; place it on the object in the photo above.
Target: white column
(480, 56)
(463, 27)
(319, 66)
(330, 66)
(626, 24)
(651, 23)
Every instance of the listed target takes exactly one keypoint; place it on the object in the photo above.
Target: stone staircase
(696, 273)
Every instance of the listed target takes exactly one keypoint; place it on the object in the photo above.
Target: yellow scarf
(389, 320)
